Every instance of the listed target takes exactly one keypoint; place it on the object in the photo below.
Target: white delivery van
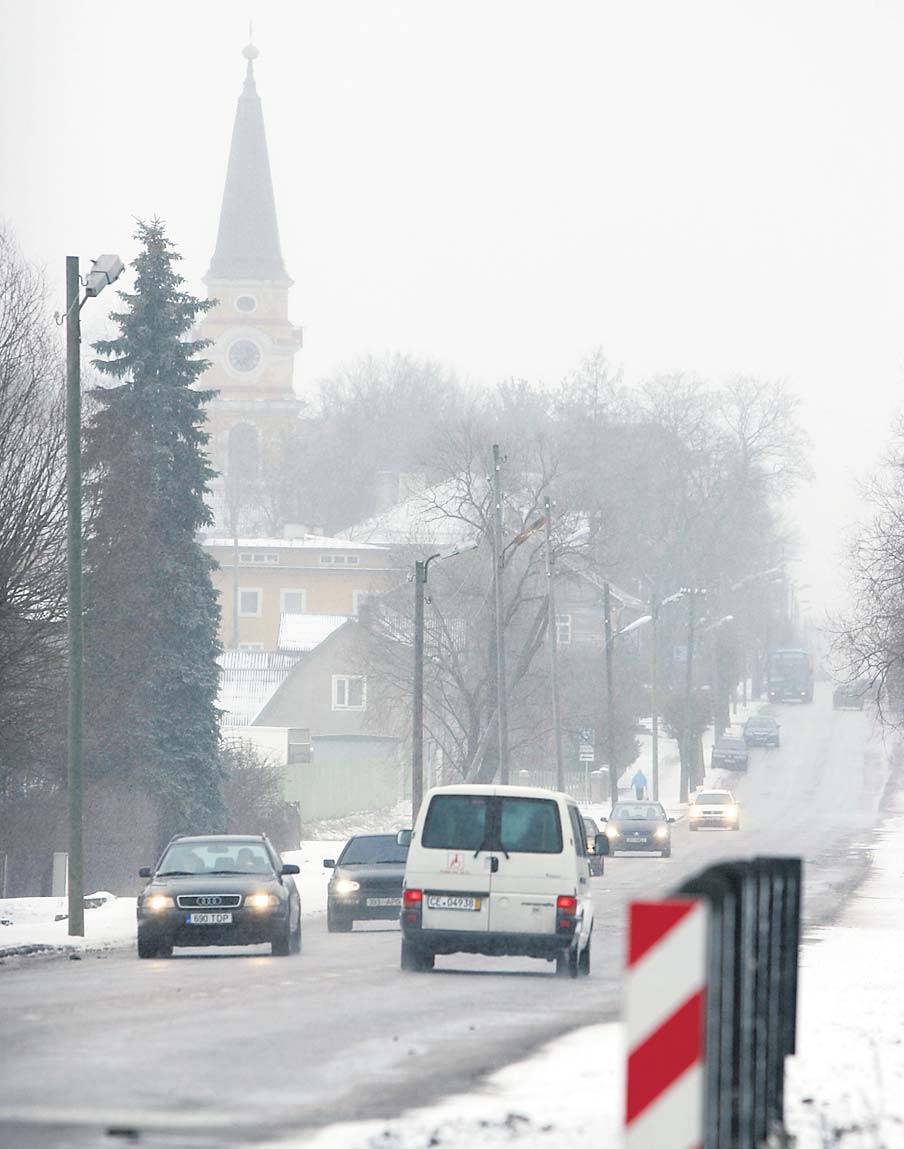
(498, 870)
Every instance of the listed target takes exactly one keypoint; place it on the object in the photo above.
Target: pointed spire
(248, 237)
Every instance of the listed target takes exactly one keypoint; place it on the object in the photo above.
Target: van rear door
(451, 863)
(535, 866)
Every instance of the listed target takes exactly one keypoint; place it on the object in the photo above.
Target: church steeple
(248, 237)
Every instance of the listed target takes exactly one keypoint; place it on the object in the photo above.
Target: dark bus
(789, 676)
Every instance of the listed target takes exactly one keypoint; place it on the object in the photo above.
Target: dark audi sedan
(366, 882)
(219, 890)
(639, 826)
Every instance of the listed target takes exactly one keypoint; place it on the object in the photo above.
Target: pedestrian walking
(639, 782)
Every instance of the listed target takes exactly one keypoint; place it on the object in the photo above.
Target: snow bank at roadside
(568, 1094)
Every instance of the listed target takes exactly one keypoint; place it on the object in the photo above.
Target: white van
(498, 870)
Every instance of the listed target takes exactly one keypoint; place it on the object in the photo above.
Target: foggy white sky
(712, 187)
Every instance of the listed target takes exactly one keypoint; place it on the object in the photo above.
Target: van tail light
(412, 905)
(566, 913)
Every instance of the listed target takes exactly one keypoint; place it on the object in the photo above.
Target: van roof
(492, 790)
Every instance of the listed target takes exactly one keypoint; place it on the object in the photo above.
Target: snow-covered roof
(304, 632)
(248, 680)
(304, 542)
(419, 520)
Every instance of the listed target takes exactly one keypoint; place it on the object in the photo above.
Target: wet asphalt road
(231, 1047)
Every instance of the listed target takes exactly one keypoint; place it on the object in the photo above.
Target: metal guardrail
(751, 1005)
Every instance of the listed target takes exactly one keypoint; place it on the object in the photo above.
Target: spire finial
(251, 53)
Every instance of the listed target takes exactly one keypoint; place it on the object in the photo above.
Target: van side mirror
(145, 872)
(329, 863)
(601, 845)
(403, 838)
(290, 868)
(671, 819)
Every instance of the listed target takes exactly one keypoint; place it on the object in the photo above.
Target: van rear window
(529, 826)
(456, 822)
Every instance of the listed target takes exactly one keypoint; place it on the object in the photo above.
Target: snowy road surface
(210, 1049)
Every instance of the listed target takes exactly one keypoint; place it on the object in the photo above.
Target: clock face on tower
(244, 355)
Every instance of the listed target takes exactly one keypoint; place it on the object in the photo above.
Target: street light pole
(421, 571)
(417, 739)
(498, 560)
(553, 648)
(610, 696)
(654, 690)
(105, 269)
(689, 746)
(75, 748)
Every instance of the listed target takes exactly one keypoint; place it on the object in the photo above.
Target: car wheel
(295, 943)
(736, 826)
(666, 853)
(152, 947)
(281, 945)
(568, 963)
(415, 960)
(693, 829)
(337, 921)
(584, 961)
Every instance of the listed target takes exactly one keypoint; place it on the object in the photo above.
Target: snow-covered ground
(113, 924)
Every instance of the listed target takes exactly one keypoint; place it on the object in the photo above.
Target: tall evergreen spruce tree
(151, 613)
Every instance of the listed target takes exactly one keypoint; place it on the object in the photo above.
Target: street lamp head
(635, 625)
(105, 270)
(459, 549)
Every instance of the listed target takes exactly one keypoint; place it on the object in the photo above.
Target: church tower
(253, 340)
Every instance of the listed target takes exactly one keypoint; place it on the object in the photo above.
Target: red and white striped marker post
(665, 1014)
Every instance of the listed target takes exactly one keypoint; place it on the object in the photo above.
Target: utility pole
(689, 745)
(235, 587)
(417, 725)
(654, 689)
(553, 648)
(498, 560)
(74, 595)
(610, 696)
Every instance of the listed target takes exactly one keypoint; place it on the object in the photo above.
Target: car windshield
(638, 810)
(590, 827)
(714, 798)
(218, 857)
(372, 850)
(765, 723)
(730, 744)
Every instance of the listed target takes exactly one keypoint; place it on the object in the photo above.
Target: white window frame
(333, 560)
(564, 633)
(293, 590)
(258, 558)
(297, 741)
(259, 591)
(345, 679)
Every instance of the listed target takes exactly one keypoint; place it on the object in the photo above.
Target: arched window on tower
(243, 454)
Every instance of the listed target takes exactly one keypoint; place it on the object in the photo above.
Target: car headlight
(611, 832)
(695, 812)
(660, 833)
(731, 811)
(261, 901)
(158, 902)
(346, 886)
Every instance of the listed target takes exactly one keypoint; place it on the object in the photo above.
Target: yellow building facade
(260, 581)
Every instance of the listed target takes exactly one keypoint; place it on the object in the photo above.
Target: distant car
(597, 861)
(219, 890)
(639, 826)
(366, 884)
(849, 695)
(729, 753)
(714, 808)
(761, 730)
